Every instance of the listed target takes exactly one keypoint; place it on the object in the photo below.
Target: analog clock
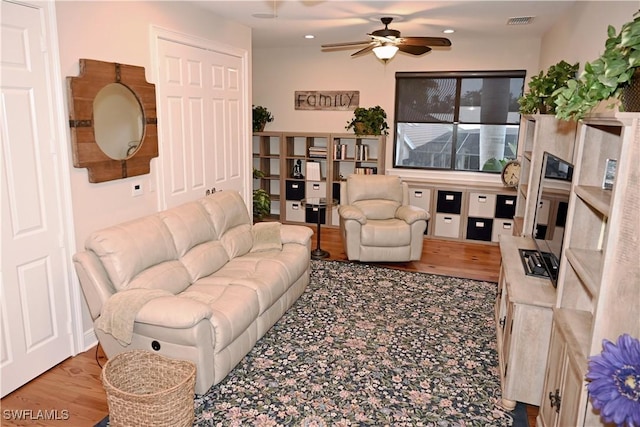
(511, 173)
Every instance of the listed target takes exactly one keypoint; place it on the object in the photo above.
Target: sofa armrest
(173, 312)
(299, 234)
(94, 281)
(411, 214)
(352, 212)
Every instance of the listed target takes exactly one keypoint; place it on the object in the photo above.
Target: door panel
(202, 106)
(34, 303)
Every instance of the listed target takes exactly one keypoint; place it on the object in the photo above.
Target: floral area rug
(370, 346)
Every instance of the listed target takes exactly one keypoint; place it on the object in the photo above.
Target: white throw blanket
(119, 312)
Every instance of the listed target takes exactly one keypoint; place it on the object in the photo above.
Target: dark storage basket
(146, 389)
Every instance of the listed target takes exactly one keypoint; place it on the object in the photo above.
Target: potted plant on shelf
(261, 199)
(261, 116)
(540, 97)
(608, 78)
(369, 121)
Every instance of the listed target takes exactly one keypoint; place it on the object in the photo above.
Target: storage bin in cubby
(449, 202)
(482, 205)
(295, 190)
(312, 212)
(447, 225)
(315, 189)
(501, 226)
(420, 197)
(294, 211)
(479, 228)
(505, 206)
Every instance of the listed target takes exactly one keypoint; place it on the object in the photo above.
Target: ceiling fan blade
(414, 50)
(365, 50)
(426, 41)
(345, 44)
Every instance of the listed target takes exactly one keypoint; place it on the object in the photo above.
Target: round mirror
(117, 121)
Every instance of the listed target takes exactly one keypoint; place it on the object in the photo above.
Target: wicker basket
(146, 389)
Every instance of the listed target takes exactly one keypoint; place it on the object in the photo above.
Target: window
(463, 121)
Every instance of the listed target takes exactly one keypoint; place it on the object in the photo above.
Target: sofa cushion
(385, 233)
(269, 274)
(233, 309)
(369, 187)
(205, 259)
(195, 239)
(266, 236)
(231, 221)
(127, 249)
(170, 276)
(378, 208)
(189, 225)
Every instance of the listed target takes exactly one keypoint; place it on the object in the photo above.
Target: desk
(318, 204)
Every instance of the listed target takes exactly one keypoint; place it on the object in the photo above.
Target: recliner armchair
(377, 222)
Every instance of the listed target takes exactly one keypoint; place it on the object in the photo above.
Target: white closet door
(202, 122)
(34, 282)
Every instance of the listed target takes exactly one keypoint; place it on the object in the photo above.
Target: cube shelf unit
(539, 133)
(267, 149)
(465, 212)
(599, 280)
(324, 159)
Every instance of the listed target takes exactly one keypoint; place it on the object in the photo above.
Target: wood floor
(71, 393)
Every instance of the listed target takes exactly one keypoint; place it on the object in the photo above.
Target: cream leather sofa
(197, 282)
(377, 222)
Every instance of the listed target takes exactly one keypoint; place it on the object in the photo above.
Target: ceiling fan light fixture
(386, 51)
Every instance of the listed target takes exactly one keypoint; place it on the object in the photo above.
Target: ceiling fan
(386, 42)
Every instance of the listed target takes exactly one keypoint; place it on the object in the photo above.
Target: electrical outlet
(137, 190)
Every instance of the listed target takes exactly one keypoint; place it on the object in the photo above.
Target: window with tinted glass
(463, 121)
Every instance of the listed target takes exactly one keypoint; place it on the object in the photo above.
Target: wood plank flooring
(71, 393)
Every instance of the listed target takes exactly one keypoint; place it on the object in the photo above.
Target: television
(550, 217)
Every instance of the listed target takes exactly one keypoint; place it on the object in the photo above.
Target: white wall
(581, 32)
(121, 32)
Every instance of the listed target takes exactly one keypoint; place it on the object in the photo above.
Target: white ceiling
(278, 23)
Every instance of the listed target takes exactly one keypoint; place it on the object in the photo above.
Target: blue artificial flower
(614, 385)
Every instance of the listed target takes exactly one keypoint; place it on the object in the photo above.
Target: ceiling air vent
(520, 20)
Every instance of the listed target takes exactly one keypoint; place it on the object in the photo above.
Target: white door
(202, 120)
(35, 326)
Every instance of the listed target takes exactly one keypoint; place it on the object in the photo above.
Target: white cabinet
(478, 213)
(523, 317)
(599, 272)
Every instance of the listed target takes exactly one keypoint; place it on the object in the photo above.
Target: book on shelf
(366, 171)
(339, 151)
(362, 153)
(317, 151)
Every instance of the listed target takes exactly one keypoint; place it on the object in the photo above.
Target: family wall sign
(327, 100)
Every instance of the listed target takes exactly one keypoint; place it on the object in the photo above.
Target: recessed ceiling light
(309, 36)
(449, 31)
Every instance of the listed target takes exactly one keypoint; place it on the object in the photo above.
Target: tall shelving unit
(599, 282)
(267, 149)
(539, 133)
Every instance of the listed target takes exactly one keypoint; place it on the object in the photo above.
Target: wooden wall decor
(82, 91)
(326, 100)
